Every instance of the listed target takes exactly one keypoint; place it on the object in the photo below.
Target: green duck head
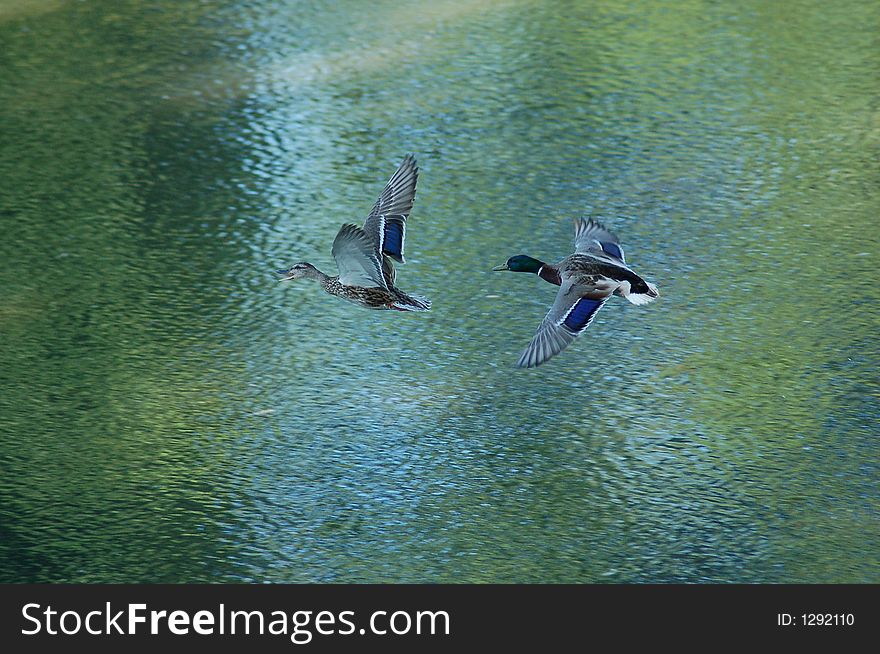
(521, 263)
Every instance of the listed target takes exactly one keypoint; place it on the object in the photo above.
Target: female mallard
(363, 255)
(587, 278)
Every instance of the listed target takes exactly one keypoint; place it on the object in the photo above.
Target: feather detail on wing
(388, 271)
(386, 224)
(569, 316)
(355, 255)
(593, 238)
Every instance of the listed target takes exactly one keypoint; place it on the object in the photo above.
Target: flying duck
(364, 254)
(586, 279)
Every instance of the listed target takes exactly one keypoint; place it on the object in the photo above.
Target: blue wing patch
(581, 314)
(613, 249)
(392, 245)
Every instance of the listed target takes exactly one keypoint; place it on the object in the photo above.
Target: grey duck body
(594, 275)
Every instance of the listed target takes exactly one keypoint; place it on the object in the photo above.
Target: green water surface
(169, 413)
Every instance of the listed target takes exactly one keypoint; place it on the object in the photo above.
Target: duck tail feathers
(639, 298)
(413, 303)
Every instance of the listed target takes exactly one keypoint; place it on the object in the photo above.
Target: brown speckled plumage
(370, 297)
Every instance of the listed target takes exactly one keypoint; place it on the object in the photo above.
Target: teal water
(169, 413)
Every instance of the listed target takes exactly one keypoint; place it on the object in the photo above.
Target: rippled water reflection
(170, 413)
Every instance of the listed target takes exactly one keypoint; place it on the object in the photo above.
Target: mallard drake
(587, 278)
(363, 254)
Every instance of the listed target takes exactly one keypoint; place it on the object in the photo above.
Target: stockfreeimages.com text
(300, 626)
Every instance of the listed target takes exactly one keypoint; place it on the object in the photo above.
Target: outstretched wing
(388, 271)
(355, 255)
(569, 316)
(386, 224)
(591, 237)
